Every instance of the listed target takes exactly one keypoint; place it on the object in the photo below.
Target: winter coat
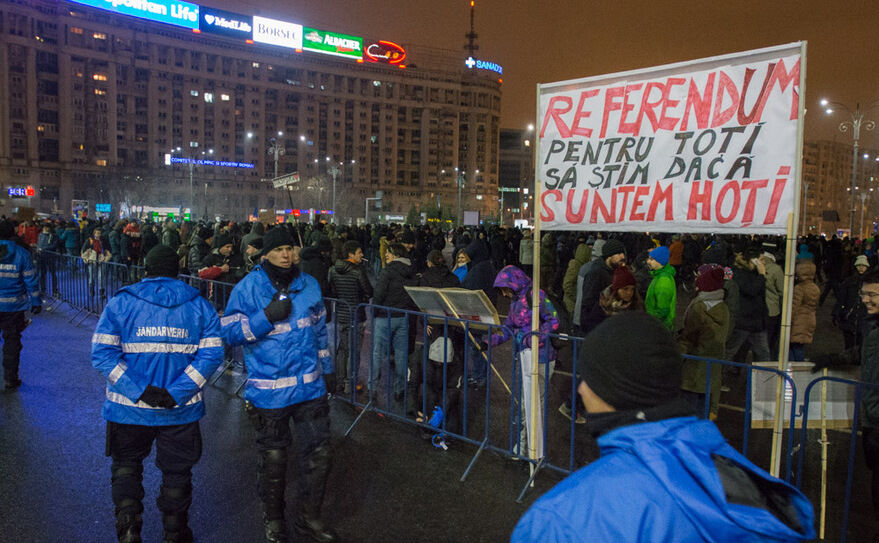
(70, 237)
(285, 360)
(849, 311)
(171, 237)
(774, 288)
(212, 267)
(662, 297)
(198, 250)
(668, 481)
(751, 315)
(258, 230)
(706, 327)
(19, 288)
(113, 238)
(869, 360)
(569, 284)
(156, 332)
(481, 272)
(805, 303)
(519, 317)
(48, 242)
(149, 239)
(592, 278)
(348, 284)
(676, 253)
(434, 277)
(389, 288)
(608, 305)
(312, 262)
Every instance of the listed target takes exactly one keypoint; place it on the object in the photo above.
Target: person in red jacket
(221, 264)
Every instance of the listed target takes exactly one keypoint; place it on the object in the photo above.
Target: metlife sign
(331, 43)
(225, 23)
(162, 11)
(274, 32)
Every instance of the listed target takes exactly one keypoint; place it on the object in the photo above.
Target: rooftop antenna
(471, 36)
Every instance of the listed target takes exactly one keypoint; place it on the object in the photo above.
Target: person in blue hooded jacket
(663, 474)
(157, 342)
(19, 291)
(278, 315)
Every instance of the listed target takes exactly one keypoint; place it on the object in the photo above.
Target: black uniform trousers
(12, 323)
(311, 424)
(178, 448)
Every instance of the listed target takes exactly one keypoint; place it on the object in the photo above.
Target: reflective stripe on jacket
(285, 360)
(156, 332)
(19, 288)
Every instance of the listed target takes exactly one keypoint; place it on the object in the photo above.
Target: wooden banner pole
(535, 292)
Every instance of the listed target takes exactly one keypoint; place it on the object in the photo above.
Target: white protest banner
(701, 146)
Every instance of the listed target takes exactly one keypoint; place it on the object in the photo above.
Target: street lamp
(856, 122)
(193, 154)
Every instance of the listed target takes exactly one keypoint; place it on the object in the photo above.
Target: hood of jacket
(477, 250)
(805, 270)
(402, 266)
(514, 279)
(582, 253)
(161, 291)
(667, 270)
(685, 456)
(343, 266)
(310, 253)
(439, 277)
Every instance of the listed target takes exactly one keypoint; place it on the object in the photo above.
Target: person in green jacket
(662, 296)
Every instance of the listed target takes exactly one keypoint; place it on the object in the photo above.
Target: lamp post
(193, 156)
(863, 205)
(856, 122)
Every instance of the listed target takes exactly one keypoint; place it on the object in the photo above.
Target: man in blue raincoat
(663, 475)
(278, 314)
(156, 342)
(19, 291)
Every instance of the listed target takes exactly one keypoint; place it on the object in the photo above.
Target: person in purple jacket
(514, 284)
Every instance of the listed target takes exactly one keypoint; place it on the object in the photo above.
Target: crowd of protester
(730, 290)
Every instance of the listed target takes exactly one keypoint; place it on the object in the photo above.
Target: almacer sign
(332, 43)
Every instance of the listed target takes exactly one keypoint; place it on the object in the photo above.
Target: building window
(75, 30)
(99, 36)
(224, 97)
(100, 92)
(99, 77)
(101, 162)
(193, 93)
(209, 97)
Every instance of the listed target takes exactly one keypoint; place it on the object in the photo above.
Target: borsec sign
(163, 11)
(225, 23)
(274, 32)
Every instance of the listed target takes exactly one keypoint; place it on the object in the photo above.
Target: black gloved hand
(157, 397)
(330, 382)
(279, 308)
(36, 309)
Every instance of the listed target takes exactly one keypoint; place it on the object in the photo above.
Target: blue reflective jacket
(657, 482)
(157, 332)
(285, 361)
(19, 289)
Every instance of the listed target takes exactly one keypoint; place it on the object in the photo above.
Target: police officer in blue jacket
(278, 314)
(157, 342)
(19, 291)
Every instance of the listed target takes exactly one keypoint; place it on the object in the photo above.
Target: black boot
(271, 482)
(127, 496)
(174, 504)
(308, 522)
(11, 379)
(128, 523)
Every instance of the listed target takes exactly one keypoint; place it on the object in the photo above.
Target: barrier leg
(473, 460)
(534, 471)
(366, 408)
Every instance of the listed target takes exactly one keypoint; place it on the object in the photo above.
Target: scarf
(280, 277)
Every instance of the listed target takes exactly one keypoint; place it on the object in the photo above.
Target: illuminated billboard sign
(201, 162)
(162, 11)
(384, 51)
(225, 23)
(483, 65)
(331, 43)
(274, 32)
(21, 192)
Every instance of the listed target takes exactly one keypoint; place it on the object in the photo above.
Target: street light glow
(824, 102)
(301, 138)
(530, 127)
(249, 135)
(280, 133)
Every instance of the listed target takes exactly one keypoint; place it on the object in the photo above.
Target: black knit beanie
(276, 237)
(631, 361)
(222, 239)
(612, 247)
(161, 261)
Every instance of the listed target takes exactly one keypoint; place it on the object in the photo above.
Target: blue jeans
(387, 333)
(478, 365)
(797, 352)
